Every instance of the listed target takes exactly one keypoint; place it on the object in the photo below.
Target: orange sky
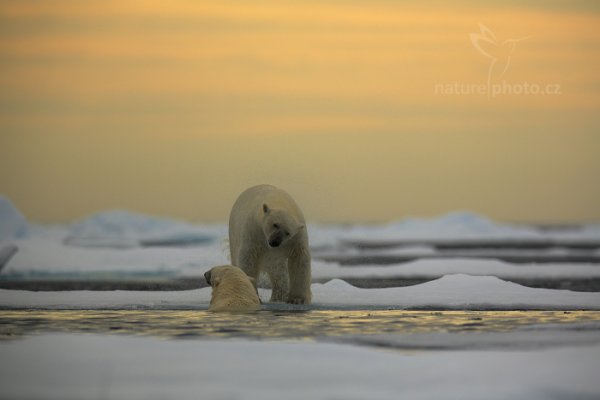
(175, 107)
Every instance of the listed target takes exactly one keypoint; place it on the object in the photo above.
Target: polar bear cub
(232, 290)
(267, 233)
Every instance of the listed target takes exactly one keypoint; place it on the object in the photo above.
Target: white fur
(232, 290)
(265, 213)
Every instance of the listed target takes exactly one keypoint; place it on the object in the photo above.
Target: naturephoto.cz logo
(499, 53)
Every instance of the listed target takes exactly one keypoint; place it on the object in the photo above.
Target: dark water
(275, 324)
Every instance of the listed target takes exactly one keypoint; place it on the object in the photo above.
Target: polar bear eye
(287, 234)
(275, 226)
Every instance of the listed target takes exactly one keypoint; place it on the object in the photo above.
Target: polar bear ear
(216, 281)
(266, 208)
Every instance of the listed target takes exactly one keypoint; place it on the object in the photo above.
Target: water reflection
(270, 324)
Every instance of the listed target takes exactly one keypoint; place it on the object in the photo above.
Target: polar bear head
(215, 275)
(232, 290)
(279, 226)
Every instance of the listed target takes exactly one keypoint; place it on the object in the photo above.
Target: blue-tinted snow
(13, 224)
(119, 228)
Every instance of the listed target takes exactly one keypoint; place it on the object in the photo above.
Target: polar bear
(232, 290)
(267, 233)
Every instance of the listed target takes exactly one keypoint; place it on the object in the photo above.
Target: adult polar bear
(267, 233)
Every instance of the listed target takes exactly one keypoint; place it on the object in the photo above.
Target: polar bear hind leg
(279, 280)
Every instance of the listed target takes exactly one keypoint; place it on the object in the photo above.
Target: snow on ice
(451, 292)
(117, 367)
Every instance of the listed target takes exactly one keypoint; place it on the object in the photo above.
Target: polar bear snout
(276, 239)
(207, 276)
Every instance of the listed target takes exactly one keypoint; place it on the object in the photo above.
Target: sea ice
(451, 292)
(12, 223)
(63, 366)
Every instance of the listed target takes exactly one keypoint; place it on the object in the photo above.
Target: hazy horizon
(174, 108)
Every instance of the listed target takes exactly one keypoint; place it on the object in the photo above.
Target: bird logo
(499, 53)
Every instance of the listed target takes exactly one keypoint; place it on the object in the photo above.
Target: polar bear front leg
(300, 278)
(279, 281)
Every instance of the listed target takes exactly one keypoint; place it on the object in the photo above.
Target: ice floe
(451, 292)
(63, 366)
(12, 223)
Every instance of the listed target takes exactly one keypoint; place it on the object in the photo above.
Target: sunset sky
(173, 108)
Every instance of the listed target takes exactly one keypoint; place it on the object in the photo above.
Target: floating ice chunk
(463, 225)
(453, 225)
(454, 292)
(6, 252)
(436, 268)
(12, 223)
(41, 258)
(124, 229)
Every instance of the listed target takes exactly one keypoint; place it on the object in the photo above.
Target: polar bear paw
(297, 300)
